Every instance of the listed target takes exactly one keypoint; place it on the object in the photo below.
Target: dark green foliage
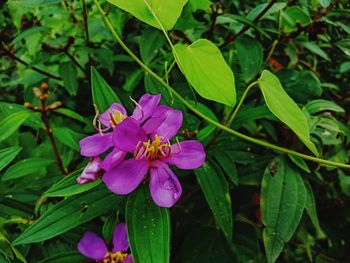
(251, 201)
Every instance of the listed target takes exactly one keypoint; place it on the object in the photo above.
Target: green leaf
(324, 3)
(71, 114)
(11, 123)
(64, 257)
(25, 167)
(102, 94)
(228, 165)
(7, 155)
(250, 56)
(284, 108)
(68, 137)
(283, 199)
(299, 162)
(68, 214)
(216, 192)
(148, 228)
(317, 106)
(316, 49)
(344, 45)
(207, 71)
(68, 73)
(68, 186)
(310, 209)
(166, 11)
(292, 16)
(150, 43)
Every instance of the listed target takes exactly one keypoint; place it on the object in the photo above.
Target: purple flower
(97, 144)
(92, 246)
(153, 154)
(90, 172)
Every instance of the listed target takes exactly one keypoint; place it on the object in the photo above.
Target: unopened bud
(54, 105)
(44, 87)
(37, 92)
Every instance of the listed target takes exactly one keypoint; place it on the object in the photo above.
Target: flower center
(117, 257)
(152, 150)
(116, 117)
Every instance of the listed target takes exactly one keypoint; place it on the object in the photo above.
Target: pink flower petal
(92, 246)
(188, 155)
(120, 238)
(126, 176)
(164, 186)
(128, 134)
(94, 145)
(90, 172)
(112, 159)
(106, 116)
(169, 126)
(149, 104)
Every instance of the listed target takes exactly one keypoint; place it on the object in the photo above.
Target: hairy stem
(203, 116)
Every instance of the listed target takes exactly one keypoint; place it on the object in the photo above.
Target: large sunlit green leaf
(216, 192)
(207, 71)
(102, 94)
(148, 228)
(167, 11)
(68, 214)
(284, 108)
(283, 199)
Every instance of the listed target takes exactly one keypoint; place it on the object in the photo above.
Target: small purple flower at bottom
(90, 172)
(94, 247)
(153, 154)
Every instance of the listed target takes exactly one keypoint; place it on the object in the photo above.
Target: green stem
(229, 122)
(205, 117)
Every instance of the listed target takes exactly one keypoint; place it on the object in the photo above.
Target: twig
(14, 57)
(86, 25)
(232, 38)
(43, 96)
(215, 13)
(75, 61)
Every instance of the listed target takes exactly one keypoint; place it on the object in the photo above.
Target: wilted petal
(120, 238)
(164, 186)
(126, 176)
(112, 159)
(128, 134)
(148, 104)
(105, 117)
(169, 126)
(90, 172)
(95, 144)
(92, 246)
(187, 155)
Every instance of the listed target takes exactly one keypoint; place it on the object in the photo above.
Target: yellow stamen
(117, 257)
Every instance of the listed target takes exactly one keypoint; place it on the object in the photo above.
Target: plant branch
(232, 38)
(14, 57)
(203, 116)
(43, 96)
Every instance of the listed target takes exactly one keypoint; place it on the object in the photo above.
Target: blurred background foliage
(305, 43)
